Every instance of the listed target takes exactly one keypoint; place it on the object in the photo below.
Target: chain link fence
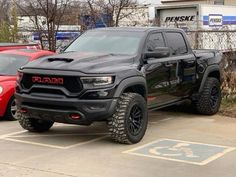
(225, 41)
(217, 40)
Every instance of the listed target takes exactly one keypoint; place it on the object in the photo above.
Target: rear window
(9, 64)
(176, 43)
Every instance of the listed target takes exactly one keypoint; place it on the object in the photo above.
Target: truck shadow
(182, 108)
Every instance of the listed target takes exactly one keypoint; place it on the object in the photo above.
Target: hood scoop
(68, 60)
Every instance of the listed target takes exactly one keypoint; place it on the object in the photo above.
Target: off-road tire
(8, 114)
(119, 123)
(33, 125)
(204, 104)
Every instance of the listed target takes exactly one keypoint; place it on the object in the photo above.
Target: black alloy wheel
(135, 120)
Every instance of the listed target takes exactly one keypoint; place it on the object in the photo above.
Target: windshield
(9, 64)
(111, 42)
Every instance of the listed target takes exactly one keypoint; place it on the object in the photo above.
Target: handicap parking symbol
(181, 151)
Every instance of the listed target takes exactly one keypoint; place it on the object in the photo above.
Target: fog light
(23, 110)
(103, 93)
(75, 116)
(151, 98)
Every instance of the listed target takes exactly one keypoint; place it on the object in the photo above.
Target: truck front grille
(71, 83)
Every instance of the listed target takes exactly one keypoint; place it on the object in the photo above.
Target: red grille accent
(48, 80)
(70, 83)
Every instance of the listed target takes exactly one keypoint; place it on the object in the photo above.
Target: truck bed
(205, 53)
(211, 56)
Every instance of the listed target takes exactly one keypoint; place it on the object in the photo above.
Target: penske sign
(187, 18)
(215, 20)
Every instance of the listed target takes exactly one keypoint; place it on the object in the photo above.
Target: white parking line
(34, 143)
(54, 146)
(55, 135)
(12, 134)
(217, 156)
(86, 142)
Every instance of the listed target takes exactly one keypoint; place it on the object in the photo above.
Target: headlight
(97, 81)
(19, 76)
(1, 89)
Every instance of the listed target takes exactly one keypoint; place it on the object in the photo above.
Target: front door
(157, 73)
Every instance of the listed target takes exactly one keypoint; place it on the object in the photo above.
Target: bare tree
(112, 8)
(91, 11)
(94, 11)
(4, 10)
(117, 6)
(8, 21)
(46, 15)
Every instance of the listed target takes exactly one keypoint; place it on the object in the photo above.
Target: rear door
(183, 69)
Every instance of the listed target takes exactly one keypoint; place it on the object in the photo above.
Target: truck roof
(136, 29)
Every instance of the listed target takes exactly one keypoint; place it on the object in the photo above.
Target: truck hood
(84, 62)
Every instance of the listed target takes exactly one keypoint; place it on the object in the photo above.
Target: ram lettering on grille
(47, 80)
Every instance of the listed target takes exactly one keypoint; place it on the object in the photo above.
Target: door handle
(168, 65)
(189, 62)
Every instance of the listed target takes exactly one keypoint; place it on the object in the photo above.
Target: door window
(176, 43)
(155, 40)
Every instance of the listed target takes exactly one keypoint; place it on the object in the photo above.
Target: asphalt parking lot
(176, 144)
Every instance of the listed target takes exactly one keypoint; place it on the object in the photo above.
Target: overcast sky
(150, 1)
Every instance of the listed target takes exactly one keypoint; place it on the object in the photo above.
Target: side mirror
(159, 52)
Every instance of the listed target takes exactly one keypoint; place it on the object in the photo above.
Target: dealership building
(209, 24)
(192, 15)
(213, 2)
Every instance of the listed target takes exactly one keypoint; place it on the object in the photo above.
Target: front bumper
(4, 100)
(2, 107)
(60, 109)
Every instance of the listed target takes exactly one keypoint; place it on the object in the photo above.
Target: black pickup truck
(116, 75)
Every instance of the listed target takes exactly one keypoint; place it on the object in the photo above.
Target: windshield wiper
(68, 51)
(115, 54)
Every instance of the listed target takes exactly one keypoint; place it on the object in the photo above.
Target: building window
(219, 2)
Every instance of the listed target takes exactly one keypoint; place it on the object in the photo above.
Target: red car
(10, 61)
(11, 46)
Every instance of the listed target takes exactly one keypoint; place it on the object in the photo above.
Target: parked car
(10, 62)
(115, 75)
(12, 46)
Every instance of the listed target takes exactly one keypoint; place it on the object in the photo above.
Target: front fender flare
(131, 81)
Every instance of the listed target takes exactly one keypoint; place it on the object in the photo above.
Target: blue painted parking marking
(181, 151)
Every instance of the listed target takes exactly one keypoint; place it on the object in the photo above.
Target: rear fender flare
(209, 69)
